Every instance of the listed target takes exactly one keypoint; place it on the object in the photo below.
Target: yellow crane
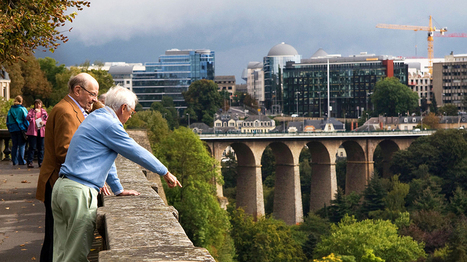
(431, 29)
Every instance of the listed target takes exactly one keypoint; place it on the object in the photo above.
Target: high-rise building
(450, 81)
(352, 80)
(172, 75)
(273, 64)
(254, 76)
(122, 73)
(420, 79)
(421, 83)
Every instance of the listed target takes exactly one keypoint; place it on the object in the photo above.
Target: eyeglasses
(133, 112)
(91, 93)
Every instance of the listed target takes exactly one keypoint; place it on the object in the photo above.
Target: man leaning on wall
(89, 164)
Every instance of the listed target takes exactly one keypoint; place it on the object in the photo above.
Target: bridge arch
(388, 148)
(358, 172)
(249, 181)
(287, 193)
(323, 180)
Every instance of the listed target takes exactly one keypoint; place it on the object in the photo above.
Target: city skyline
(241, 32)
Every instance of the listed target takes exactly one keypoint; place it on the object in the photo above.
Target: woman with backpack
(17, 126)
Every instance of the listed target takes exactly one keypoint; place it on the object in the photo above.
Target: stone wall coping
(142, 228)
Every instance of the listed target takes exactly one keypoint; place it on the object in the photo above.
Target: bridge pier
(358, 175)
(287, 194)
(323, 185)
(250, 190)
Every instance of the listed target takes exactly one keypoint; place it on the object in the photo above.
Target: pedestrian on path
(37, 118)
(17, 125)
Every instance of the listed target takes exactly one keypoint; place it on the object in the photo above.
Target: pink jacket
(31, 117)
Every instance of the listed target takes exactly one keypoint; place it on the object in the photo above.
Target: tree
(167, 108)
(4, 107)
(458, 202)
(449, 110)
(431, 121)
(28, 80)
(423, 104)
(203, 100)
(314, 227)
(457, 247)
(28, 24)
(373, 196)
(153, 122)
(250, 101)
(59, 76)
(267, 239)
(51, 69)
(204, 221)
(356, 239)
(391, 97)
(104, 78)
(434, 106)
(343, 205)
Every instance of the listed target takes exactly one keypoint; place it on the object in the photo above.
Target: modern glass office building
(172, 75)
(352, 80)
(276, 59)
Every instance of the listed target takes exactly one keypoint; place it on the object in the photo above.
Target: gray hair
(78, 80)
(118, 96)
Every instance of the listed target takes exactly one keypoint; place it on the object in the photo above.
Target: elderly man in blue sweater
(88, 165)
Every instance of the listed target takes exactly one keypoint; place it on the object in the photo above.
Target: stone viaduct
(359, 147)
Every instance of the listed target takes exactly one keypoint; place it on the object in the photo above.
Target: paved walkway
(22, 216)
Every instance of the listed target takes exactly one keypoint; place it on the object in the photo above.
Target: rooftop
(282, 49)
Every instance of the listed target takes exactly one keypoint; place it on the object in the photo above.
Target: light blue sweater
(94, 147)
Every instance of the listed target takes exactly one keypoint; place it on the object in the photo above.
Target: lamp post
(368, 124)
(297, 93)
(421, 122)
(319, 96)
(188, 119)
(214, 123)
(446, 120)
(329, 96)
(344, 121)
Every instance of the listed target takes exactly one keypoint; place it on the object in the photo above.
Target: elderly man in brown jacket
(62, 123)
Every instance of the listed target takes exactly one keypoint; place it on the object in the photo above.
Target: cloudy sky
(241, 31)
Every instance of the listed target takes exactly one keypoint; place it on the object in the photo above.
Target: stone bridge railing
(5, 138)
(143, 228)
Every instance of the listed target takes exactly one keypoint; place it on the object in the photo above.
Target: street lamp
(188, 119)
(367, 124)
(297, 93)
(344, 120)
(446, 120)
(319, 96)
(421, 122)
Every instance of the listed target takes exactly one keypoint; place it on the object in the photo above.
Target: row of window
(246, 124)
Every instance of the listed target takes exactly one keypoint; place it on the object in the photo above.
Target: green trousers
(74, 208)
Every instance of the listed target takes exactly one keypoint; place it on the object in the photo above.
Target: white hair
(118, 96)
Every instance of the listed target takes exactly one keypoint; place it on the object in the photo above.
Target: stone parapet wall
(142, 228)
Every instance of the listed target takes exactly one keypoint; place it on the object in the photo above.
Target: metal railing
(302, 135)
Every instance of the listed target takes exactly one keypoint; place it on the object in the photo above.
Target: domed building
(276, 59)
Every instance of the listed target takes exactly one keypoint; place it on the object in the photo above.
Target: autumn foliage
(26, 25)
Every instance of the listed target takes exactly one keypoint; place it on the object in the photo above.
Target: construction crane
(430, 30)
